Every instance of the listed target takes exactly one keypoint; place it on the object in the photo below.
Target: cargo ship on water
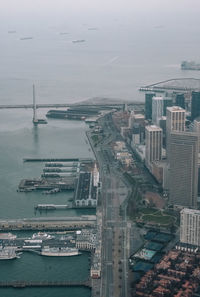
(78, 40)
(59, 251)
(190, 65)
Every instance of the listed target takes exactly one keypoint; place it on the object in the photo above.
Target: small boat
(78, 40)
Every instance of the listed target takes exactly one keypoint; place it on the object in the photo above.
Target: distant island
(190, 65)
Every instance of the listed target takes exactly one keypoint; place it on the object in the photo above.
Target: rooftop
(175, 108)
(190, 211)
(153, 128)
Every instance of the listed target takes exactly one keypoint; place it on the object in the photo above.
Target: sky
(46, 7)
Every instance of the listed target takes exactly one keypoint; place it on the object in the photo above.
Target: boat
(8, 253)
(190, 65)
(59, 251)
(7, 236)
(42, 236)
(39, 121)
(52, 191)
(50, 206)
(26, 38)
(78, 40)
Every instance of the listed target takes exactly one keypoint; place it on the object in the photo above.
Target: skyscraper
(148, 105)
(195, 105)
(183, 166)
(190, 226)
(167, 102)
(180, 100)
(157, 109)
(153, 139)
(175, 119)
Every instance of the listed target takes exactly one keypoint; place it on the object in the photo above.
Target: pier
(28, 284)
(58, 160)
(175, 84)
(49, 224)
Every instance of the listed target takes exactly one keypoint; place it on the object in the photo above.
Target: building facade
(148, 105)
(153, 152)
(157, 109)
(195, 105)
(183, 168)
(190, 226)
(180, 100)
(175, 120)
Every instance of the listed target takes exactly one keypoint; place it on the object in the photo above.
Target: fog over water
(135, 43)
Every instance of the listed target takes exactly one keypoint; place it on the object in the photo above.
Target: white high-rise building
(175, 119)
(157, 109)
(153, 140)
(190, 226)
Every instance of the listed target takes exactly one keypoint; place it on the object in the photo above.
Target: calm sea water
(113, 62)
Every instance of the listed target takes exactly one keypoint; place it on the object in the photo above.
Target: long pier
(49, 223)
(26, 284)
(84, 160)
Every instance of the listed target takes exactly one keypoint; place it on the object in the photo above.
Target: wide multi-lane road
(115, 240)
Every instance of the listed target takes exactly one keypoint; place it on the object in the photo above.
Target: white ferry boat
(42, 236)
(8, 253)
(59, 251)
(7, 236)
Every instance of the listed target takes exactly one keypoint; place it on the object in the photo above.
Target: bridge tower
(35, 120)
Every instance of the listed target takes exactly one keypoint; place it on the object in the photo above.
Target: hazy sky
(183, 13)
(9, 7)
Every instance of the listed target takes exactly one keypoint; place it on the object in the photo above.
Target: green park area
(156, 216)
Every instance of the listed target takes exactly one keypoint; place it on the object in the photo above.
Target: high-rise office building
(153, 140)
(180, 100)
(183, 168)
(175, 119)
(196, 128)
(148, 105)
(167, 102)
(157, 109)
(190, 226)
(195, 105)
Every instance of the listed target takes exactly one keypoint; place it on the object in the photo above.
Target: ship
(42, 236)
(78, 40)
(26, 38)
(190, 65)
(50, 206)
(59, 251)
(7, 236)
(8, 253)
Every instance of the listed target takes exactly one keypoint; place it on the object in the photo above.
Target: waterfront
(113, 62)
(20, 139)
